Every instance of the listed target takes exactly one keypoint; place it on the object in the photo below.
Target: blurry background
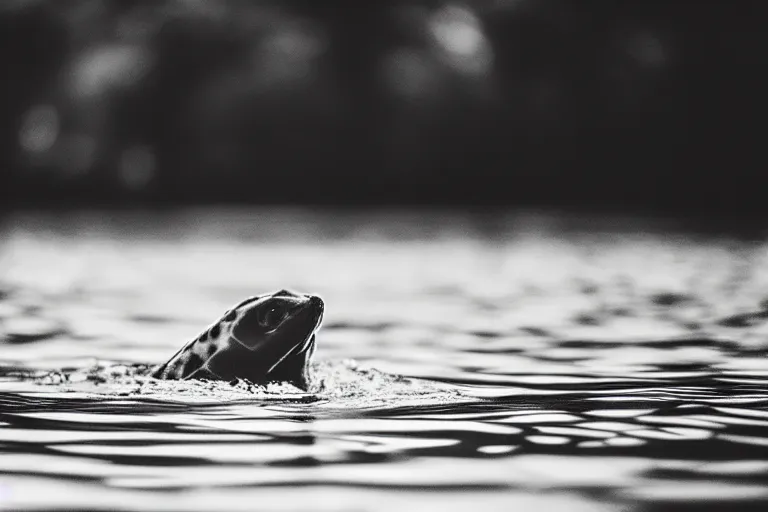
(650, 106)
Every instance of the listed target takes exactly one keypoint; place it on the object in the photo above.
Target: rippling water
(465, 361)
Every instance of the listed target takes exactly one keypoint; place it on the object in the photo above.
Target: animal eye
(271, 317)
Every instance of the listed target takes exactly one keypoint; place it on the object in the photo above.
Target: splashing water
(345, 383)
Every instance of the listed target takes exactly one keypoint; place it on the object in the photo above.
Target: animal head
(265, 338)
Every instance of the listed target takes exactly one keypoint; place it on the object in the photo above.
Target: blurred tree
(512, 102)
(33, 44)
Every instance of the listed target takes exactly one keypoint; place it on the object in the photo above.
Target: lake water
(501, 362)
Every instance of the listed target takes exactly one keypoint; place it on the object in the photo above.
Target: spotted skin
(266, 338)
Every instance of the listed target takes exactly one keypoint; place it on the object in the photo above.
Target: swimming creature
(266, 338)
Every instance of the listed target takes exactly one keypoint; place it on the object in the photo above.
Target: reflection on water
(520, 362)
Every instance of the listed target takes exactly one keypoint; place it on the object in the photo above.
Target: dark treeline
(635, 104)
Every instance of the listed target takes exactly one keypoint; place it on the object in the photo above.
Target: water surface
(465, 361)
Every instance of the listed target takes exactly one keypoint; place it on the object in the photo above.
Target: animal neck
(194, 356)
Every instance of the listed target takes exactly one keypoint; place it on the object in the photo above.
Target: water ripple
(559, 370)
